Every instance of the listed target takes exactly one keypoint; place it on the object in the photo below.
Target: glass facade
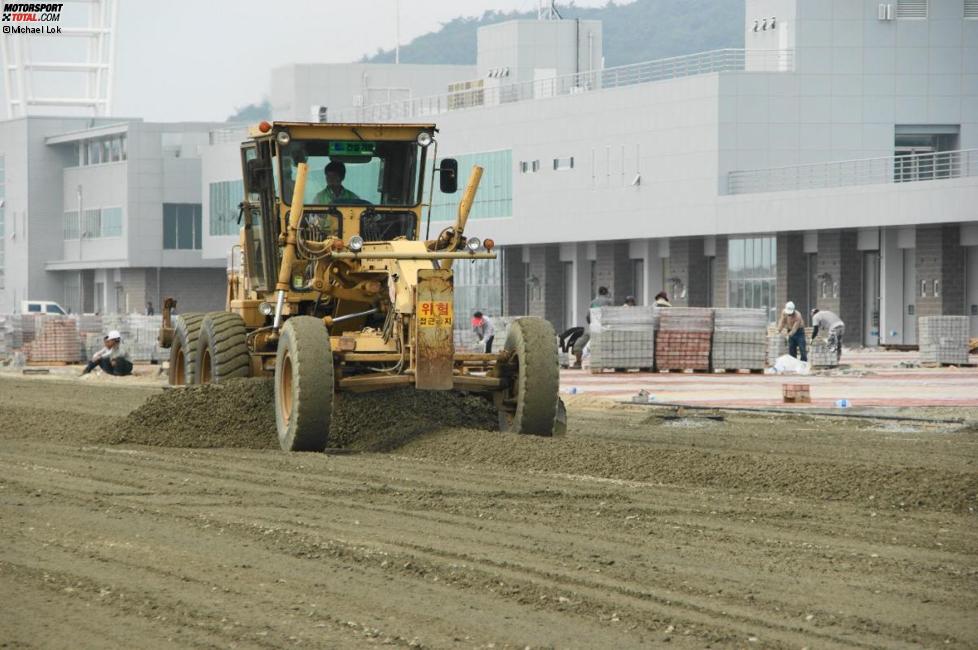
(182, 226)
(478, 286)
(752, 273)
(71, 225)
(95, 223)
(98, 151)
(495, 195)
(224, 199)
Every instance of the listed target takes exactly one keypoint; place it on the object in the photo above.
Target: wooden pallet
(752, 371)
(684, 370)
(50, 363)
(941, 364)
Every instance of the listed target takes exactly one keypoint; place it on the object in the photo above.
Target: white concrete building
(104, 215)
(833, 161)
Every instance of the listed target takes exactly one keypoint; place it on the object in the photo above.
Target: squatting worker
(831, 323)
(334, 192)
(662, 299)
(112, 358)
(793, 325)
(483, 328)
(603, 299)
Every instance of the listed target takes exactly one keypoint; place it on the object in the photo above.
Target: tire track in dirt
(351, 506)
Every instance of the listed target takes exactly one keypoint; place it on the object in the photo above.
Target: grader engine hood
(433, 337)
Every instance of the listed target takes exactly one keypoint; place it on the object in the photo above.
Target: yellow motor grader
(333, 288)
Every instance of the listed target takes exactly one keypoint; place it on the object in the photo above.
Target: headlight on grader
(473, 243)
(356, 243)
(424, 138)
(283, 138)
(266, 308)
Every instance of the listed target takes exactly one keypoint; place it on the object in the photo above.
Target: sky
(201, 59)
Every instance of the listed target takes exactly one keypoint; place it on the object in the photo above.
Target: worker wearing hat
(112, 359)
(792, 323)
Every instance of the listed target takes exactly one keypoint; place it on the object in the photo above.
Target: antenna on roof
(547, 10)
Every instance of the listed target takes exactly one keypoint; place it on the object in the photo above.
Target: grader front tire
(183, 349)
(535, 378)
(303, 385)
(222, 351)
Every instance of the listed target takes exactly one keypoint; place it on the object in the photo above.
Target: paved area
(872, 378)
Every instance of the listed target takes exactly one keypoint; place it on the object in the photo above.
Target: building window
(181, 226)
(495, 196)
(91, 223)
(971, 9)
(911, 9)
(111, 222)
(71, 225)
(563, 164)
(535, 166)
(101, 150)
(752, 273)
(225, 196)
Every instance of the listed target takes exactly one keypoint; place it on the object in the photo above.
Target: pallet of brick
(777, 344)
(141, 337)
(56, 342)
(739, 339)
(943, 340)
(622, 338)
(682, 341)
(820, 356)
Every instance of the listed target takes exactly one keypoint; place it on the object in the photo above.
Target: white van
(41, 307)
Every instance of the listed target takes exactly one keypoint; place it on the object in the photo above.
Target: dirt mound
(241, 413)
(386, 420)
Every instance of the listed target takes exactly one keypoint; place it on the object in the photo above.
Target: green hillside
(640, 31)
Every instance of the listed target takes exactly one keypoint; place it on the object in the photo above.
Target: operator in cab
(334, 192)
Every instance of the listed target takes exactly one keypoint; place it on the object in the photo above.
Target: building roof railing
(484, 92)
(865, 171)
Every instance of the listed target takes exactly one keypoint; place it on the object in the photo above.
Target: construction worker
(603, 299)
(334, 192)
(831, 323)
(662, 299)
(112, 359)
(483, 328)
(629, 301)
(792, 323)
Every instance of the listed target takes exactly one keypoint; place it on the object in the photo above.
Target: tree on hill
(639, 31)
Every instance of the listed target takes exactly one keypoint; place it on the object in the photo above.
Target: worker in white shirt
(830, 322)
(112, 358)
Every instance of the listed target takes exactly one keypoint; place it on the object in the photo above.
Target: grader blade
(435, 346)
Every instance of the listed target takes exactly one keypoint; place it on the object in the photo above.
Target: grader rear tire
(536, 378)
(183, 349)
(303, 385)
(222, 352)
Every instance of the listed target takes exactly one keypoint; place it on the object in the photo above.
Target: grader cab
(336, 284)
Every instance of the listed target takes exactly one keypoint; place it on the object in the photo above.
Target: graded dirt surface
(631, 530)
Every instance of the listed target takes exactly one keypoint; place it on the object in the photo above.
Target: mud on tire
(183, 350)
(303, 385)
(536, 378)
(222, 352)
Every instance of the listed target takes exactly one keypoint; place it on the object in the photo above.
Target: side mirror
(448, 176)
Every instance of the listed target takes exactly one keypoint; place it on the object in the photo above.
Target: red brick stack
(57, 341)
(683, 339)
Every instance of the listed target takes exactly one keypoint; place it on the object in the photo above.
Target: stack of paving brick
(820, 356)
(739, 339)
(141, 337)
(777, 344)
(622, 337)
(943, 339)
(683, 339)
(56, 342)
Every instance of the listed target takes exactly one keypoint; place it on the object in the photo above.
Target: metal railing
(480, 93)
(866, 171)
